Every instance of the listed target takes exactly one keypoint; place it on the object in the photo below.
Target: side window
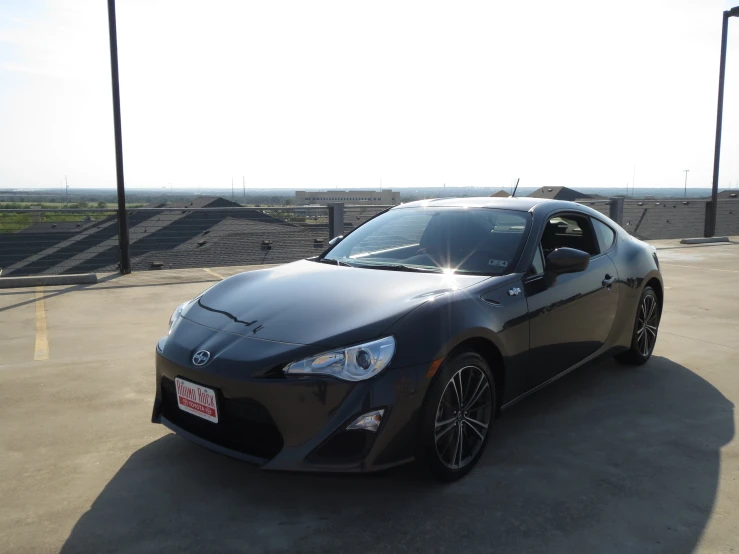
(569, 231)
(605, 235)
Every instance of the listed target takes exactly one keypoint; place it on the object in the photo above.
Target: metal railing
(669, 218)
(81, 240)
(63, 241)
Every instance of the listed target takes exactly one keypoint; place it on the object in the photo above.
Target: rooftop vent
(157, 265)
(202, 242)
(53, 225)
(641, 203)
(686, 203)
(320, 241)
(206, 232)
(732, 195)
(549, 190)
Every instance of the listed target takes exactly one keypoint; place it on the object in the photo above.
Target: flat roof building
(384, 197)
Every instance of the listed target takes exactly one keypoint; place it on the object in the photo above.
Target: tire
(643, 337)
(452, 440)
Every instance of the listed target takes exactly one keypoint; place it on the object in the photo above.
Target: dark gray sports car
(407, 337)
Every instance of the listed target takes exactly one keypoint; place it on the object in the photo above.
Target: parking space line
(208, 270)
(41, 352)
(695, 339)
(698, 267)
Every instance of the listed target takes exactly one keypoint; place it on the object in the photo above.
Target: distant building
(559, 193)
(500, 194)
(385, 197)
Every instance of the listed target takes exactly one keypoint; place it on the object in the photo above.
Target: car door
(571, 317)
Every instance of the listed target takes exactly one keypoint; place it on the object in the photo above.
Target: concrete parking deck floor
(609, 459)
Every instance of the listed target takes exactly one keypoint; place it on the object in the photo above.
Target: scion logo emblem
(201, 357)
(515, 291)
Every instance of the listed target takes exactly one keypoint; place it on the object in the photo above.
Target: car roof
(523, 204)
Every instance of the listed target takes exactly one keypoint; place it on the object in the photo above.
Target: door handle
(608, 281)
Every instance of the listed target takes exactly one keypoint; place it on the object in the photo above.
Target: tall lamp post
(711, 219)
(123, 240)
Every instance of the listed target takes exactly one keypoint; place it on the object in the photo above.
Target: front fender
(436, 328)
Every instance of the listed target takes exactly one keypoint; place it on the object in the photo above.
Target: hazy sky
(346, 93)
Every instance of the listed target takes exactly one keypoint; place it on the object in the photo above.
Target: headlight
(355, 363)
(177, 314)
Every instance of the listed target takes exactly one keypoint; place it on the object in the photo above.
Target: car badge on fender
(201, 357)
(515, 291)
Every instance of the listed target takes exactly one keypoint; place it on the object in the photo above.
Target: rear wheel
(644, 336)
(457, 416)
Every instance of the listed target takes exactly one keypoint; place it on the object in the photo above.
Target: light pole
(685, 195)
(123, 241)
(711, 215)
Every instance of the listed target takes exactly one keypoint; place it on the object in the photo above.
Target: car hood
(307, 302)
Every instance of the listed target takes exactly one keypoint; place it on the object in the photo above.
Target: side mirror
(566, 260)
(336, 240)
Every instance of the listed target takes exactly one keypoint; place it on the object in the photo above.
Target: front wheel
(457, 415)
(644, 336)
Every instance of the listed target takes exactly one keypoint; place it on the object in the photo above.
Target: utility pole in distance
(685, 194)
(633, 181)
(123, 240)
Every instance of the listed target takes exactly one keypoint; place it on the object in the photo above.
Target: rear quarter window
(605, 235)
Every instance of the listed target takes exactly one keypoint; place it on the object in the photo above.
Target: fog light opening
(369, 421)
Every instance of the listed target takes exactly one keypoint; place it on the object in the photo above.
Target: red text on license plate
(196, 400)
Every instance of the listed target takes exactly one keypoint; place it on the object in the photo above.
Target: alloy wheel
(462, 417)
(646, 325)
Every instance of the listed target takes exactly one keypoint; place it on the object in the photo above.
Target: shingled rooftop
(560, 193)
(163, 239)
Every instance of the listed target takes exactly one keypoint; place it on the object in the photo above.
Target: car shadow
(608, 459)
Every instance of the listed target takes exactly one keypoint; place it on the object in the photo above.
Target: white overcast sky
(346, 93)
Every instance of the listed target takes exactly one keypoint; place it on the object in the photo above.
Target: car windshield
(465, 240)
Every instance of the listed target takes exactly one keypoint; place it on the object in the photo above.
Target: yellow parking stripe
(41, 351)
(213, 273)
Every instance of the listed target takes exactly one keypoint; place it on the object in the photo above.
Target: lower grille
(244, 425)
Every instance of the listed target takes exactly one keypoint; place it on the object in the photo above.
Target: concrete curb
(704, 240)
(38, 280)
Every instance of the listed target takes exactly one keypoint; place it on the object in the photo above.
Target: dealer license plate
(196, 400)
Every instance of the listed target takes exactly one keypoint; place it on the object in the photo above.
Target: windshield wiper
(399, 267)
(333, 262)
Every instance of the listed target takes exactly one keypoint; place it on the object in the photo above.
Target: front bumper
(298, 424)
